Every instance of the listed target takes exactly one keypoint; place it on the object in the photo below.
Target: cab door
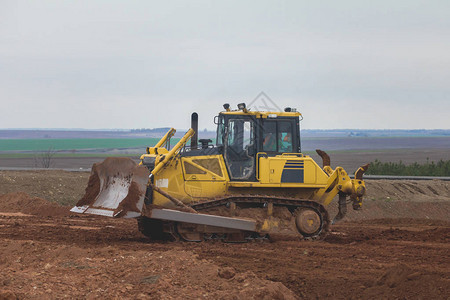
(239, 147)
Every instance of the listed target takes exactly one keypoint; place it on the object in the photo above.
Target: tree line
(440, 168)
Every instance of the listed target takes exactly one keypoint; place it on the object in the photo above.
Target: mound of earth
(136, 274)
(23, 203)
(427, 199)
(408, 190)
(402, 282)
(203, 279)
(7, 295)
(395, 209)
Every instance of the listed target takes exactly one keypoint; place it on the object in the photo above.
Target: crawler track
(152, 228)
(262, 201)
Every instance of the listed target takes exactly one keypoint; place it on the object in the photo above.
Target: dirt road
(46, 252)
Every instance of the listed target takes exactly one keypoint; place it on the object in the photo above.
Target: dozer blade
(116, 188)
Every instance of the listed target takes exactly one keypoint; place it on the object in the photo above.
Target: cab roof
(262, 114)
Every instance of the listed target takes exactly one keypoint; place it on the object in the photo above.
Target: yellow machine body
(196, 178)
(254, 181)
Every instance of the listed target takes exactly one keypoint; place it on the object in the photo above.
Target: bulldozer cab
(246, 135)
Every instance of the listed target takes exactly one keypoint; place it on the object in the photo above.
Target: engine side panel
(294, 170)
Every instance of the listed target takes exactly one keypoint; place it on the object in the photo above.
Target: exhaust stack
(194, 125)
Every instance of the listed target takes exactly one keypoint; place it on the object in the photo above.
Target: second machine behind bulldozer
(253, 183)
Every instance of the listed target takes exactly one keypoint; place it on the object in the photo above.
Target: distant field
(57, 155)
(374, 143)
(73, 144)
(308, 144)
(347, 152)
(349, 160)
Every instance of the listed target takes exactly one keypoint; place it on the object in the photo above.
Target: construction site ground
(396, 247)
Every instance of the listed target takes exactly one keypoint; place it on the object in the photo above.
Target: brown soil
(136, 191)
(56, 186)
(129, 203)
(89, 257)
(392, 249)
(403, 281)
(92, 189)
(24, 203)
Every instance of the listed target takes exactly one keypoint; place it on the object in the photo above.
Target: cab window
(285, 137)
(270, 137)
(277, 136)
(240, 134)
(220, 131)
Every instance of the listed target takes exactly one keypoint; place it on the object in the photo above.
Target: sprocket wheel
(309, 222)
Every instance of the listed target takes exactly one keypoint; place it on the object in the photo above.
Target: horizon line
(208, 130)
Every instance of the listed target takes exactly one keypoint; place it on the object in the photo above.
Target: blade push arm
(163, 159)
(167, 136)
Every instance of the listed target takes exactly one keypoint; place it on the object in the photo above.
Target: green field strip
(69, 155)
(75, 144)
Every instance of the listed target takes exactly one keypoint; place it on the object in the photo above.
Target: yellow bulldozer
(254, 183)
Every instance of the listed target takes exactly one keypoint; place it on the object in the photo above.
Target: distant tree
(45, 158)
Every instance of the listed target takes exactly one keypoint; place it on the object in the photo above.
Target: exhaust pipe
(194, 125)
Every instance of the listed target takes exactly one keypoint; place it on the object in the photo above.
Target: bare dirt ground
(397, 247)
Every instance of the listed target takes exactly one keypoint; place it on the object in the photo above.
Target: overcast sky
(147, 64)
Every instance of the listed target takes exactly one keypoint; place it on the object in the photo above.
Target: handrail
(168, 135)
(164, 158)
